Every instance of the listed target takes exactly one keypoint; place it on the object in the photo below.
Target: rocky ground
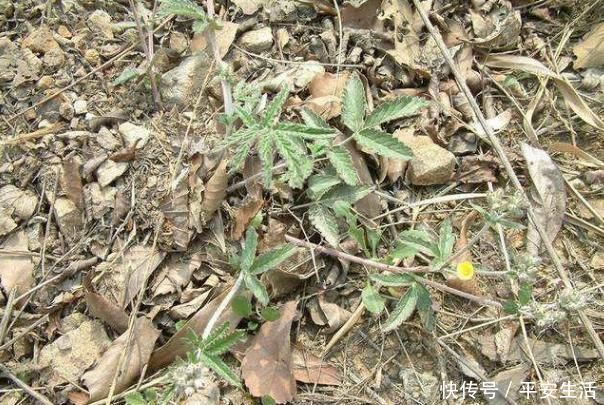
(121, 212)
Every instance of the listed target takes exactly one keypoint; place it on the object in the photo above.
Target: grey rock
(257, 40)
(134, 133)
(185, 80)
(80, 107)
(422, 386)
(109, 171)
(430, 164)
(463, 143)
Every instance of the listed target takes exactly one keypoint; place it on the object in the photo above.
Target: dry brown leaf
(175, 207)
(328, 84)
(137, 352)
(498, 30)
(548, 193)
(311, 369)
(508, 383)
(590, 51)
(478, 169)
(363, 17)
(267, 365)
(71, 181)
(327, 314)
(529, 65)
(243, 214)
(589, 160)
(215, 191)
(178, 345)
(16, 270)
(549, 353)
(100, 307)
(177, 274)
(253, 167)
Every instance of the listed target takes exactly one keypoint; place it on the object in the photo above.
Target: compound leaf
(404, 106)
(383, 144)
(354, 104)
(325, 222)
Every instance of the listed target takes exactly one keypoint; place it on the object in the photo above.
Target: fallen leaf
(115, 116)
(590, 51)
(363, 16)
(175, 207)
(71, 182)
(137, 347)
(249, 7)
(21, 204)
(328, 84)
(499, 29)
(549, 353)
(267, 365)
(16, 267)
(327, 314)
(178, 345)
(310, 369)
(508, 382)
(548, 193)
(243, 214)
(123, 278)
(215, 192)
(588, 159)
(529, 65)
(478, 169)
(470, 366)
(100, 307)
(176, 275)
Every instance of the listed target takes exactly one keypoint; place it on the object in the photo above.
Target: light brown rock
(257, 40)
(431, 164)
(40, 40)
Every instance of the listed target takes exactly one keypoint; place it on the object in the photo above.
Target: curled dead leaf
(215, 191)
(311, 369)
(16, 267)
(267, 365)
(71, 181)
(244, 214)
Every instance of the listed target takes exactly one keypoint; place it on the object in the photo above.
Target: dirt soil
(473, 265)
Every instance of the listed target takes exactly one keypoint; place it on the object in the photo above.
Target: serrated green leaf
(404, 106)
(324, 221)
(320, 184)
(273, 110)
(266, 153)
(257, 288)
(125, 76)
(221, 368)
(239, 136)
(299, 164)
(241, 306)
(223, 344)
(403, 310)
(344, 192)
(272, 258)
(510, 307)
(403, 251)
(304, 131)
(241, 153)
(248, 119)
(182, 8)
(135, 398)
(249, 249)
(392, 280)
(383, 144)
(217, 334)
(372, 299)
(343, 209)
(267, 400)
(373, 239)
(354, 104)
(313, 119)
(525, 293)
(270, 314)
(358, 235)
(419, 240)
(342, 162)
(424, 307)
(446, 242)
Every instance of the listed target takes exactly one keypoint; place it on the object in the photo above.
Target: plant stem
(394, 269)
(225, 302)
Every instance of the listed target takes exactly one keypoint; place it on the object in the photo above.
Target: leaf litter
(125, 218)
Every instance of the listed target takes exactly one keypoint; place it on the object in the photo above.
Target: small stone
(597, 261)
(64, 32)
(133, 133)
(258, 40)
(69, 217)
(463, 143)
(45, 83)
(430, 164)
(178, 42)
(107, 140)
(109, 171)
(93, 57)
(185, 80)
(54, 58)
(66, 111)
(40, 40)
(100, 22)
(22, 203)
(80, 107)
